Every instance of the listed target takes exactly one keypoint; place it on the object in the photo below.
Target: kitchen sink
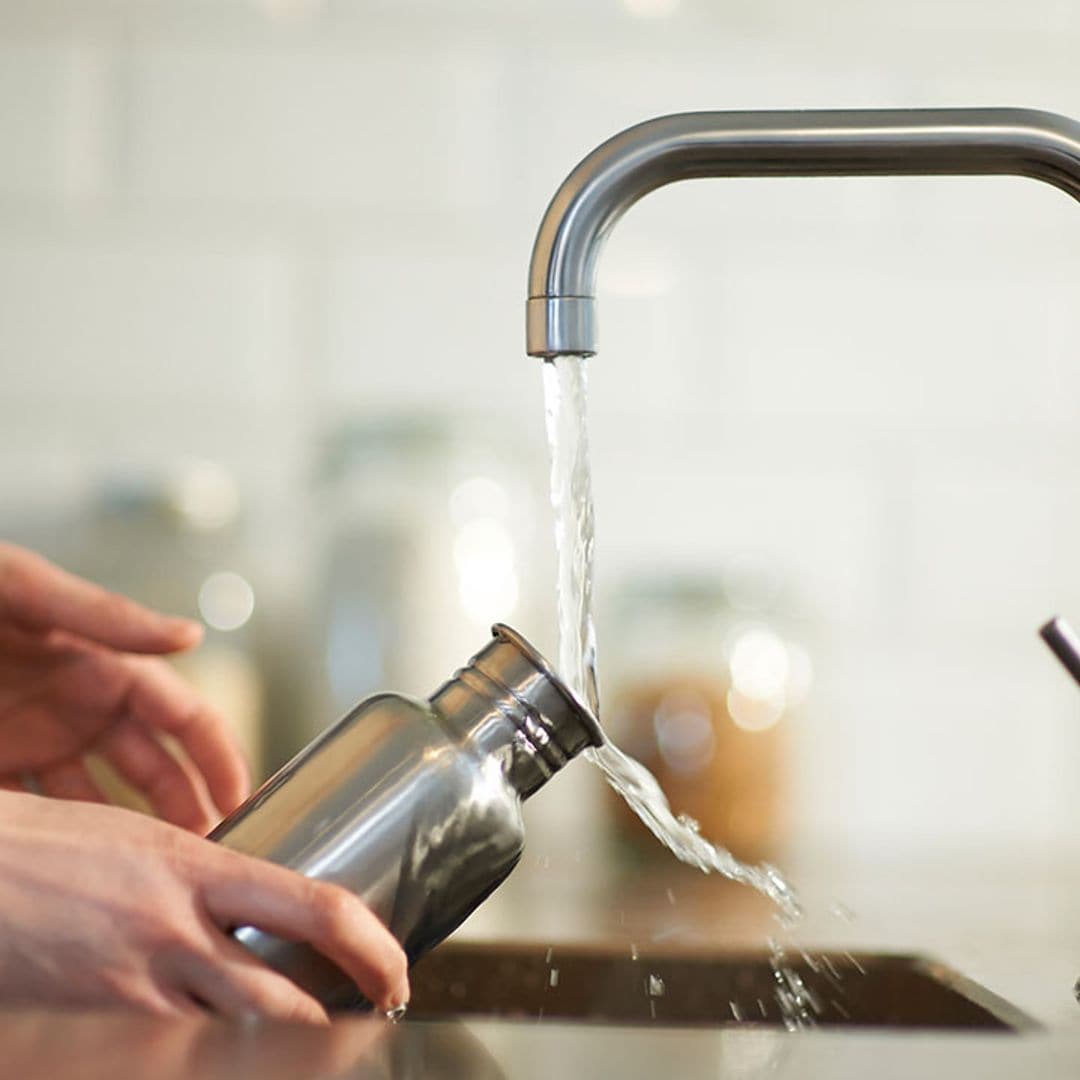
(702, 989)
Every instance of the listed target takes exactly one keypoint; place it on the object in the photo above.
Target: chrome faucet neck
(853, 142)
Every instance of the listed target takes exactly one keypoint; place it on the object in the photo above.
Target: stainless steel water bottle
(415, 806)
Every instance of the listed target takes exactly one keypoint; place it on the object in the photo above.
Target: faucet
(561, 317)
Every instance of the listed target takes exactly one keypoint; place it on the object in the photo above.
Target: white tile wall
(222, 223)
(310, 127)
(468, 305)
(54, 121)
(971, 738)
(96, 313)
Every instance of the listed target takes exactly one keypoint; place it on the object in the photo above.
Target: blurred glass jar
(706, 672)
(175, 542)
(427, 538)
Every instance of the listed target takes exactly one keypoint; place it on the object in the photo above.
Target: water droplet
(788, 918)
(855, 964)
(397, 1013)
(655, 986)
(831, 968)
(841, 911)
(553, 977)
(633, 951)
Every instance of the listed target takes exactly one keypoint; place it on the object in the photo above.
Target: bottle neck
(508, 704)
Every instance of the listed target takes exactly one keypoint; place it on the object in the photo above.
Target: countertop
(95, 1046)
(1014, 928)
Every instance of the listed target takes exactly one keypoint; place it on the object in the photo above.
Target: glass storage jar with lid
(705, 673)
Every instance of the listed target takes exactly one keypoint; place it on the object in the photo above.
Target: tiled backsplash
(224, 224)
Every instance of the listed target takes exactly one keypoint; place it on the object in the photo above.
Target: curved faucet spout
(888, 142)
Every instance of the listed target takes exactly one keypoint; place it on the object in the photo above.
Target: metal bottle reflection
(414, 806)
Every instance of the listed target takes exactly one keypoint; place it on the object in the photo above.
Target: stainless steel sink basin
(523, 981)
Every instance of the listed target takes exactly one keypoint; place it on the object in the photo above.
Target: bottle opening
(572, 723)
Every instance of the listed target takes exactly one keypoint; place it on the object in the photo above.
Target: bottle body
(414, 806)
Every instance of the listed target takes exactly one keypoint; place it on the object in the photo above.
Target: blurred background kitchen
(262, 281)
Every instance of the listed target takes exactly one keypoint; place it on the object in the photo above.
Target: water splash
(799, 1003)
(681, 835)
(565, 398)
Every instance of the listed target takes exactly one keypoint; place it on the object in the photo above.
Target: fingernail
(188, 630)
(399, 1002)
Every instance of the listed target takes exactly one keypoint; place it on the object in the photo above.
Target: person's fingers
(236, 984)
(172, 787)
(37, 595)
(96, 1044)
(161, 700)
(356, 1048)
(70, 780)
(242, 891)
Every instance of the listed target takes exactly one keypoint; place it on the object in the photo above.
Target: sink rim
(1012, 1015)
(1012, 1019)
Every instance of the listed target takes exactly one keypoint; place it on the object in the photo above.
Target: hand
(72, 682)
(39, 1044)
(102, 906)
